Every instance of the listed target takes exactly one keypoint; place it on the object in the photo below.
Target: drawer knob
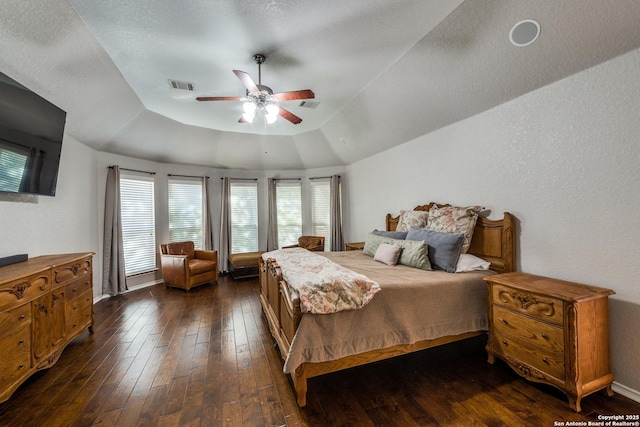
(505, 321)
(545, 336)
(22, 317)
(21, 366)
(75, 289)
(544, 359)
(21, 342)
(505, 342)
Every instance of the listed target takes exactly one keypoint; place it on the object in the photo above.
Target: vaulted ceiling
(383, 72)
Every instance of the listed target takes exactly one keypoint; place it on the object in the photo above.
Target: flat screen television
(31, 130)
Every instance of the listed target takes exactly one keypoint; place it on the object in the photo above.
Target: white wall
(66, 223)
(565, 160)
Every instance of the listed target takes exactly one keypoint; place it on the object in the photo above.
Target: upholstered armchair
(185, 267)
(312, 243)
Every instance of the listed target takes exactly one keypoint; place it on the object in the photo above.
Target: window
(244, 216)
(321, 211)
(186, 211)
(138, 224)
(289, 212)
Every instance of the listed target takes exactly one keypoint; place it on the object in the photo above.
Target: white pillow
(468, 262)
(388, 254)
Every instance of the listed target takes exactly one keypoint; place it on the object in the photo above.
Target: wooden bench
(244, 265)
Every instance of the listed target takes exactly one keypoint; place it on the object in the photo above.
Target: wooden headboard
(492, 240)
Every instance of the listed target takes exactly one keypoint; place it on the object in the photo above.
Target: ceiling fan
(261, 97)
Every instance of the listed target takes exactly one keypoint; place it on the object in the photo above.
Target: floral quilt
(323, 286)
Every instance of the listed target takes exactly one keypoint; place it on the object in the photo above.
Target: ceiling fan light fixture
(249, 107)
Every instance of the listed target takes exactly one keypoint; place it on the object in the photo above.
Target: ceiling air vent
(177, 84)
(310, 104)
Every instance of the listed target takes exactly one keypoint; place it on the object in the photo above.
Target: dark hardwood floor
(167, 357)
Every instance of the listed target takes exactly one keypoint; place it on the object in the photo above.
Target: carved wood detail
(526, 300)
(18, 290)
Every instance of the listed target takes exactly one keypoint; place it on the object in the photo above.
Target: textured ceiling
(383, 72)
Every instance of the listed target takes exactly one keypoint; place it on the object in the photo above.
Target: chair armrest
(175, 269)
(208, 255)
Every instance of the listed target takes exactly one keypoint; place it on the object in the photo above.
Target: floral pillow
(408, 219)
(452, 219)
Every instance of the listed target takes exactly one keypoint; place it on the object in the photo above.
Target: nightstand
(354, 246)
(551, 331)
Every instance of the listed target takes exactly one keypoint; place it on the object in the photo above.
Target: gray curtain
(207, 228)
(225, 226)
(114, 280)
(272, 235)
(335, 194)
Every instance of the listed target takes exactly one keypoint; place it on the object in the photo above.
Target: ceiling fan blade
(289, 116)
(218, 98)
(247, 81)
(296, 94)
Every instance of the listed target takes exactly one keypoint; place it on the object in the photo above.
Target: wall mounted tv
(31, 131)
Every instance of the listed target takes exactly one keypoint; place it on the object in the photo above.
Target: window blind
(321, 211)
(12, 170)
(138, 224)
(289, 212)
(186, 211)
(244, 216)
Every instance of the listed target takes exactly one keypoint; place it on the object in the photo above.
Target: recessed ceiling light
(524, 32)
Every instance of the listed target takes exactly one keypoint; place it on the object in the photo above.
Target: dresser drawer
(537, 333)
(21, 291)
(544, 360)
(14, 319)
(75, 289)
(535, 305)
(15, 356)
(66, 273)
(78, 306)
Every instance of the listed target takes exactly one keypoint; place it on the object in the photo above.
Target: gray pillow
(393, 234)
(444, 248)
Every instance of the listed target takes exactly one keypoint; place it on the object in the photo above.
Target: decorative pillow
(410, 219)
(453, 219)
(414, 253)
(444, 248)
(372, 242)
(468, 262)
(388, 254)
(393, 234)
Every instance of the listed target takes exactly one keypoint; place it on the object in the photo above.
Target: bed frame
(493, 240)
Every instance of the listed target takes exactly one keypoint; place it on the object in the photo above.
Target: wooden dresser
(551, 331)
(45, 302)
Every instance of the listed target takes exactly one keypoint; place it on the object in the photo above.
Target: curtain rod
(287, 179)
(242, 179)
(187, 176)
(133, 170)
(323, 177)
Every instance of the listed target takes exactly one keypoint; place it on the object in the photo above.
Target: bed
(415, 310)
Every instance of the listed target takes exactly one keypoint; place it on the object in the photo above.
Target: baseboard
(626, 391)
(133, 288)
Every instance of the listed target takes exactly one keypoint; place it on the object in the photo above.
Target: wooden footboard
(492, 239)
